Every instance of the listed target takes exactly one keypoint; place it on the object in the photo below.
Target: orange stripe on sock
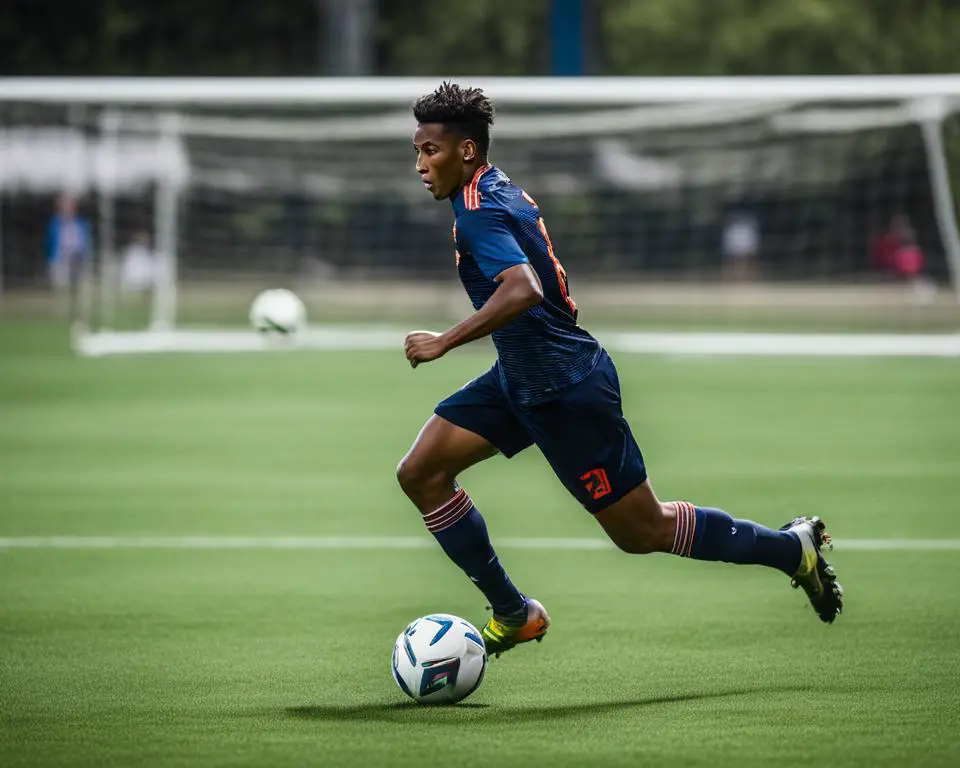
(693, 529)
(443, 508)
(451, 517)
(679, 533)
(686, 526)
(448, 513)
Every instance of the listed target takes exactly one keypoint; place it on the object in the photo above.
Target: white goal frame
(922, 100)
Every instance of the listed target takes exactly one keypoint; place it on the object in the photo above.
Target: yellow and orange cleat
(499, 636)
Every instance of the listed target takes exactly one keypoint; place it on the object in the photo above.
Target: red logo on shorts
(596, 483)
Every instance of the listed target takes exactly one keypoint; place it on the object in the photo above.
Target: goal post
(821, 205)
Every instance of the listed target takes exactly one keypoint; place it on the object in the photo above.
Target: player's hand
(423, 346)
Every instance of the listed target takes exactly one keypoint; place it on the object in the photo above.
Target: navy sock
(460, 529)
(704, 533)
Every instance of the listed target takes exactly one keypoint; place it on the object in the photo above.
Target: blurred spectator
(69, 249)
(740, 245)
(138, 266)
(897, 253)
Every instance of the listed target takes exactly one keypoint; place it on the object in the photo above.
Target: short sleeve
(487, 236)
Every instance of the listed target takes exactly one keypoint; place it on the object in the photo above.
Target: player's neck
(469, 171)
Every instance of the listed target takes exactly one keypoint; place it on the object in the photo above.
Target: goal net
(679, 207)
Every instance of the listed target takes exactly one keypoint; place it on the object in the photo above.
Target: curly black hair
(467, 111)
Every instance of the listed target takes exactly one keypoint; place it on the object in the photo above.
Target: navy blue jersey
(498, 226)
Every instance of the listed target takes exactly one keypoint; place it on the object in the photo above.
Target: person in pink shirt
(896, 252)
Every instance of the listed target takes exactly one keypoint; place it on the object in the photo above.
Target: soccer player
(554, 386)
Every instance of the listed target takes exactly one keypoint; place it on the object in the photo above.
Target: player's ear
(468, 150)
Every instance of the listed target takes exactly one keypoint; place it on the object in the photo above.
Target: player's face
(441, 157)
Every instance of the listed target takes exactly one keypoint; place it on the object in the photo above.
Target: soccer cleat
(815, 574)
(499, 636)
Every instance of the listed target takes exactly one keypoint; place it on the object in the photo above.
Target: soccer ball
(439, 659)
(278, 311)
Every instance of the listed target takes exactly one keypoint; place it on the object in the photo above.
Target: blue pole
(566, 38)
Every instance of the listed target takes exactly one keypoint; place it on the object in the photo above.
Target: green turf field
(254, 656)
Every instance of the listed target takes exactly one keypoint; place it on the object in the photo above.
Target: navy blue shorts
(581, 432)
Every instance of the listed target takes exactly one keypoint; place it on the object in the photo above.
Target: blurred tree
(480, 37)
(174, 37)
(483, 37)
(779, 37)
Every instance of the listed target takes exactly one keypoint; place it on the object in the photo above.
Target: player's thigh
(482, 407)
(471, 425)
(587, 441)
(443, 448)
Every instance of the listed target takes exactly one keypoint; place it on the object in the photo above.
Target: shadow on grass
(407, 712)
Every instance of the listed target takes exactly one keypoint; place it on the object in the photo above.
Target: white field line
(353, 338)
(374, 543)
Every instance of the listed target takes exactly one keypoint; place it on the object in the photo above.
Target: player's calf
(461, 531)
(705, 533)
(427, 475)
(639, 524)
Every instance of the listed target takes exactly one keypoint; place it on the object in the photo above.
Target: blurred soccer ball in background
(278, 311)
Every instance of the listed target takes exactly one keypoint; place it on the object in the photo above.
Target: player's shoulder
(492, 190)
(492, 202)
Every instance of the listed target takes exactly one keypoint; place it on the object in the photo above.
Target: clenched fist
(423, 346)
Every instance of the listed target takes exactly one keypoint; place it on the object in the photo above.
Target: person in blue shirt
(69, 249)
(552, 385)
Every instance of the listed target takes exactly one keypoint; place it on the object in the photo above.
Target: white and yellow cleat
(815, 574)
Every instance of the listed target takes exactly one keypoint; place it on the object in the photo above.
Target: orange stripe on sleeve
(471, 192)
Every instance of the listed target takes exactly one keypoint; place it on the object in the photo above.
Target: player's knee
(419, 478)
(408, 474)
(635, 545)
(645, 537)
(647, 532)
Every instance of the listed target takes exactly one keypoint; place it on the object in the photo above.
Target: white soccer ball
(439, 659)
(278, 311)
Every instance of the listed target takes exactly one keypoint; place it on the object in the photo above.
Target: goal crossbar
(508, 90)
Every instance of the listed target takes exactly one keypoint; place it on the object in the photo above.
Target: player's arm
(519, 290)
(500, 257)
